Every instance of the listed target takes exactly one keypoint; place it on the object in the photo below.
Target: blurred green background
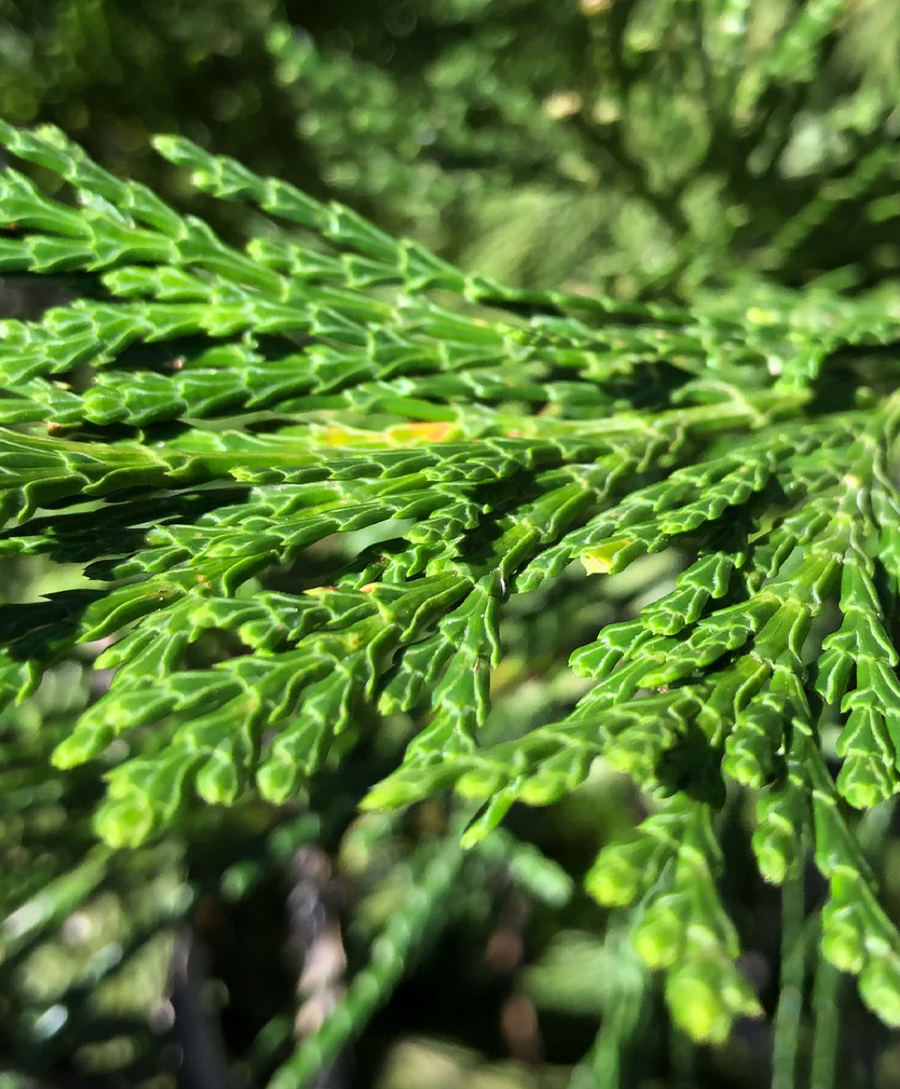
(644, 148)
(636, 146)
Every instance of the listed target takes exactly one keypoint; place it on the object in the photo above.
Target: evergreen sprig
(202, 431)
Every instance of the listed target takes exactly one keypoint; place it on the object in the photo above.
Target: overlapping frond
(350, 461)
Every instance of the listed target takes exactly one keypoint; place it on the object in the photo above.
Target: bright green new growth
(206, 415)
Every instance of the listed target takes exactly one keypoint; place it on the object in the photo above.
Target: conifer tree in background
(317, 524)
